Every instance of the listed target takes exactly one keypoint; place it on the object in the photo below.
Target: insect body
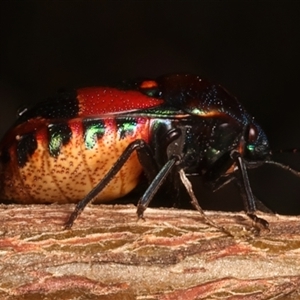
(94, 144)
(58, 151)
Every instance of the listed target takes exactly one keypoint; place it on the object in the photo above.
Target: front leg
(246, 192)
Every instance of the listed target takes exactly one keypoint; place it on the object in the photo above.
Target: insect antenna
(283, 166)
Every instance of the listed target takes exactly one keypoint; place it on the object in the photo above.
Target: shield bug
(94, 143)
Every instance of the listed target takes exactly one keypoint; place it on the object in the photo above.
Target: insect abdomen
(62, 161)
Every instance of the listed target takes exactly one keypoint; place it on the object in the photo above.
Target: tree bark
(173, 254)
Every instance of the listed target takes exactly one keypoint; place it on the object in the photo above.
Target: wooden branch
(171, 255)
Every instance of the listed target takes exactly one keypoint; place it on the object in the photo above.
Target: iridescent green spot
(94, 129)
(59, 135)
(126, 126)
(198, 112)
(250, 147)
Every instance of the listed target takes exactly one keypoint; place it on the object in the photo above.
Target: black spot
(63, 106)
(94, 129)
(26, 145)
(59, 135)
(126, 126)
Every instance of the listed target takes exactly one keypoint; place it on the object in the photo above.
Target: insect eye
(251, 134)
(150, 88)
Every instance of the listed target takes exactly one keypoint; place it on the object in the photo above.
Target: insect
(94, 144)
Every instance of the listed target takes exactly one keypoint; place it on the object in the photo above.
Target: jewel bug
(94, 143)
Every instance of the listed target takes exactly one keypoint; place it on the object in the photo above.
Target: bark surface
(172, 255)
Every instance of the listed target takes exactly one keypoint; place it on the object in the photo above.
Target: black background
(251, 48)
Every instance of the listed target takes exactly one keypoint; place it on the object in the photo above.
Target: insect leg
(172, 146)
(187, 184)
(147, 161)
(245, 188)
(222, 181)
(154, 186)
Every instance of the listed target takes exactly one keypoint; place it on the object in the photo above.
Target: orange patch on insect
(110, 148)
(71, 175)
(208, 114)
(148, 84)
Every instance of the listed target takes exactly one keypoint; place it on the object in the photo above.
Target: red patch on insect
(100, 100)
